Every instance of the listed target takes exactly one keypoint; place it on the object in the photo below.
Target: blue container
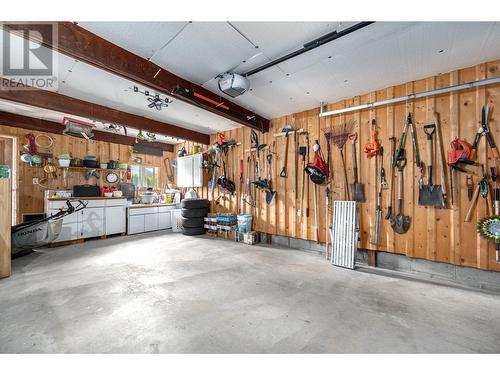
(244, 223)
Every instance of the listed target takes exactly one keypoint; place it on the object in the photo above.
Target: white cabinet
(190, 171)
(164, 220)
(92, 222)
(151, 222)
(147, 219)
(115, 220)
(100, 217)
(135, 224)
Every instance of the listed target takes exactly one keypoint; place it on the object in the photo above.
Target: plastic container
(176, 220)
(4, 171)
(244, 223)
(104, 165)
(64, 163)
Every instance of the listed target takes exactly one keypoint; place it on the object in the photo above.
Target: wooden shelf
(86, 169)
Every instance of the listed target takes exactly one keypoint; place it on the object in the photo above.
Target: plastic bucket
(244, 223)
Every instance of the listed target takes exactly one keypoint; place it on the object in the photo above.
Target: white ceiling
(49, 115)
(86, 82)
(380, 55)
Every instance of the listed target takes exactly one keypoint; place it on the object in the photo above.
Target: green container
(4, 171)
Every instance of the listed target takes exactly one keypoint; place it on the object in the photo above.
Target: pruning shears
(484, 130)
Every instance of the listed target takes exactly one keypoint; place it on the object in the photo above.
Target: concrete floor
(166, 293)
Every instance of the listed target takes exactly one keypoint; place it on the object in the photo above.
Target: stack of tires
(193, 214)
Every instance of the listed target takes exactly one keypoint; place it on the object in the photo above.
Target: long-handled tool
(375, 238)
(327, 218)
(496, 190)
(357, 189)
(400, 152)
(339, 138)
(270, 193)
(315, 199)
(400, 223)
(481, 185)
(391, 190)
(441, 157)
(302, 153)
(430, 194)
(283, 172)
(484, 130)
(248, 198)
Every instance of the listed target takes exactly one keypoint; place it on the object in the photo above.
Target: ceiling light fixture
(154, 100)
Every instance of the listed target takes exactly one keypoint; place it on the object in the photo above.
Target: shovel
(270, 194)
(357, 189)
(399, 222)
(430, 195)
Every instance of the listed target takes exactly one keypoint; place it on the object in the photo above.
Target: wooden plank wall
(435, 234)
(31, 197)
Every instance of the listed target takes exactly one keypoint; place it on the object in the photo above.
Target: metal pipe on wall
(419, 95)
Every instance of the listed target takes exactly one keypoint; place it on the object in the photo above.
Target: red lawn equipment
(372, 148)
(318, 169)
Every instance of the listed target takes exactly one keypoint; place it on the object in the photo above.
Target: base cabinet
(149, 219)
(100, 217)
(92, 222)
(115, 226)
(164, 220)
(136, 224)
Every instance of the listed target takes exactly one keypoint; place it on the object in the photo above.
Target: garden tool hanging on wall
(285, 130)
(482, 186)
(339, 138)
(489, 227)
(257, 147)
(430, 194)
(401, 153)
(318, 172)
(357, 189)
(302, 154)
(265, 184)
(248, 197)
(484, 130)
(318, 169)
(399, 222)
(375, 238)
(224, 183)
(392, 140)
(372, 148)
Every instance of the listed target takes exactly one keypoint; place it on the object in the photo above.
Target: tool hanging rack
(424, 94)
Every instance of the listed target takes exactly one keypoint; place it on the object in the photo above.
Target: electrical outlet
(35, 181)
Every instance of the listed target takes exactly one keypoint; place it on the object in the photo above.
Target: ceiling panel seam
(170, 40)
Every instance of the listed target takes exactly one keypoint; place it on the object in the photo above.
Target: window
(145, 177)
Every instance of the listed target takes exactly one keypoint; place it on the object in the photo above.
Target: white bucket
(244, 223)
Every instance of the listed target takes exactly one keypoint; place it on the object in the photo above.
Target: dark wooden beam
(35, 124)
(68, 105)
(79, 43)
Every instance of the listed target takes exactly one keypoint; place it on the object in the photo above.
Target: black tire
(194, 203)
(194, 222)
(193, 231)
(194, 212)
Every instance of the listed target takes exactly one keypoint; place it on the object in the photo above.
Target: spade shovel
(357, 189)
(399, 222)
(430, 195)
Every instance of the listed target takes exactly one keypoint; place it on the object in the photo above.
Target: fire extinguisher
(129, 173)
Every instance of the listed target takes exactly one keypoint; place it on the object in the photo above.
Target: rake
(339, 137)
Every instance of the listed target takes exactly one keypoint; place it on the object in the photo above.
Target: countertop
(82, 198)
(140, 205)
